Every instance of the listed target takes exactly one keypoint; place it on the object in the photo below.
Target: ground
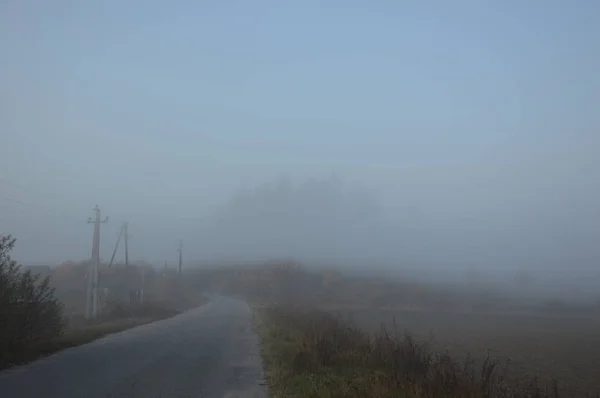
(564, 348)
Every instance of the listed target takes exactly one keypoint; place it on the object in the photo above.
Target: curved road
(210, 351)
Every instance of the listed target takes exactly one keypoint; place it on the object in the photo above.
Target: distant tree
(29, 312)
(330, 276)
(524, 278)
(473, 276)
(282, 219)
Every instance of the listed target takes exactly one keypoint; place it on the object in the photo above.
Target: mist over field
(444, 224)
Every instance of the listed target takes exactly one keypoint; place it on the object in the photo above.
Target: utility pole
(143, 284)
(91, 308)
(180, 250)
(112, 259)
(126, 235)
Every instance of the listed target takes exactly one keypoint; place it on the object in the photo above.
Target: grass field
(563, 348)
(310, 353)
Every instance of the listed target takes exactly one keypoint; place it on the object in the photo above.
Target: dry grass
(566, 349)
(310, 353)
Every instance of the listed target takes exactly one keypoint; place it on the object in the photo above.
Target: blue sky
(185, 101)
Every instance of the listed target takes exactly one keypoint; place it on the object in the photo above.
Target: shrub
(29, 312)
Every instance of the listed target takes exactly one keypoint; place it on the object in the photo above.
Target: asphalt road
(208, 352)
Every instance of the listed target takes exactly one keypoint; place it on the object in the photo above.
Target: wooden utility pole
(91, 305)
(112, 259)
(143, 284)
(126, 236)
(180, 250)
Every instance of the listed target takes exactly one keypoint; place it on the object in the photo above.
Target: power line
(16, 206)
(20, 202)
(29, 192)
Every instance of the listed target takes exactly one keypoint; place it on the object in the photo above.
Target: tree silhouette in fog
(283, 218)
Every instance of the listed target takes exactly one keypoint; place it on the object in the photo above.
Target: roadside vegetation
(483, 341)
(33, 323)
(29, 312)
(311, 353)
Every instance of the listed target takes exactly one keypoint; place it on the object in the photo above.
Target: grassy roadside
(310, 353)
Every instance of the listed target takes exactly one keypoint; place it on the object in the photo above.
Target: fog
(416, 140)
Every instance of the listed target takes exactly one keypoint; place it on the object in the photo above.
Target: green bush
(29, 312)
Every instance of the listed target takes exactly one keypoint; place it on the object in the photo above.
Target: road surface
(208, 352)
